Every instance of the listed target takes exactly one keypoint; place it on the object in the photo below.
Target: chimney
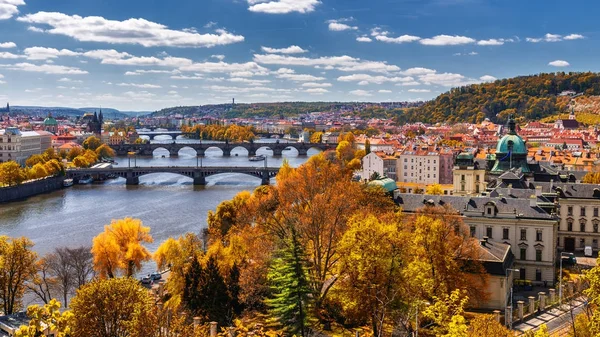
(485, 238)
(533, 201)
(213, 329)
(483, 243)
(551, 184)
(196, 322)
(509, 189)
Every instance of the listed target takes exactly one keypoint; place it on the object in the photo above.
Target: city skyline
(149, 55)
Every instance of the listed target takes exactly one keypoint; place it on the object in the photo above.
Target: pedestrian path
(554, 318)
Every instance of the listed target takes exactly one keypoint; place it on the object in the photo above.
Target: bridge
(172, 133)
(200, 148)
(199, 174)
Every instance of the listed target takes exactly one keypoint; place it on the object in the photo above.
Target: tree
(17, 267)
(74, 153)
(61, 268)
(541, 332)
(116, 307)
(43, 283)
(80, 161)
(289, 286)
(37, 171)
(119, 248)
(486, 325)
(91, 143)
(367, 146)
(371, 260)
(229, 213)
(11, 173)
(104, 151)
(81, 263)
(316, 137)
(435, 189)
(47, 318)
(591, 178)
(345, 151)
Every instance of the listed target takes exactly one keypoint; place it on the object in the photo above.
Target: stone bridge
(199, 174)
(172, 134)
(200, 148)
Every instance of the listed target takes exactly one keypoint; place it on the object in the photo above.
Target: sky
(144, 55)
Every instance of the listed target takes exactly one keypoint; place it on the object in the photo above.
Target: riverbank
(30, 189)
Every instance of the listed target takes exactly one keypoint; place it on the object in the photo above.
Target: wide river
(169, 204)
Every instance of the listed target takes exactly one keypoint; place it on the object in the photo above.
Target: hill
(527, 97)
(42, 111)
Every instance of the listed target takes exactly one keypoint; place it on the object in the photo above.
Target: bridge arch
(241, 151)
(160, 151)
(187, 151)
(291, 151)
(163, 136)
(213, 151)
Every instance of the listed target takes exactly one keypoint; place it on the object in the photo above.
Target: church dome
(511, 142)
(50, 121)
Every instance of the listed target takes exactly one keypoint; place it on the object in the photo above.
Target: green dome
(49, 121)
(464, 155)
(387, 184)
(514, 142)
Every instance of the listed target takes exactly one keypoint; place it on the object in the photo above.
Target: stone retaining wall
(26, 190)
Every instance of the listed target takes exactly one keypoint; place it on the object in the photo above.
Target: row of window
(412, 160)
(506, 233)
(581, 227)
(412, 175)
(581, 211)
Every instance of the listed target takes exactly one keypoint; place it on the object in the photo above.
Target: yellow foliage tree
(104, 151)
(91, 143)
(119, 247)
(11, 173)
(486, 325)
(17, 266)
(435, 189)
(47, 318)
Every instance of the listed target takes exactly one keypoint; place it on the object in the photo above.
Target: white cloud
(316, 91)
(218, 57)
(130, 31)
(234, 90)
(7, 55)
(43, 53)
(300, 77)
(45, 68)
(364, 39)
(445, 79)
(491, 42)
(152, 71)
(66, 79)
(365, 79)
(418, 71)
(7, 45)
(223, 67)
(8, 8)
(35, 29)
(411, 83)
(185, 77)
(362, 93)
(141, 86)
(248, 81)
(342, 63)
(289, 50)
(399, 39)
(447, 40)
(488, 78)
(419, 90)
(316, 85)
(559, 63)
(383, 91)
(339, 26)
(554, 38)
(282, 6)
(574, 37)
(285, 71)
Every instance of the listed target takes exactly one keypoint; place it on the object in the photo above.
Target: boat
(257, 158)
(85, 180)
(67, 182)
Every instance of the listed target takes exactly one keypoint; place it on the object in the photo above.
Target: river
(169, 204)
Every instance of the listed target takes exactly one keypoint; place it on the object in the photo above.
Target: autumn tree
(367, 146)
(486, 325)
(316, 137)
(17, 267)
(92, 143)
(104, 151)
(43, 284)
(371, 260)
(119, 248)
(81, 263)
(229, 213)
(74, 153)
(113, 307)
(591, 178)
(11, 173)
(47, 318)
(434, 189)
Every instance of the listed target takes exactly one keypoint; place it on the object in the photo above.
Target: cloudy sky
(150, 54)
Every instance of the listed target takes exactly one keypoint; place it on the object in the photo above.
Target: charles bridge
(173, 133)
(200, 148)
(199, 174)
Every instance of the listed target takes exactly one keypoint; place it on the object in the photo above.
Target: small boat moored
(67, 182)
(257, 158)
(85, 180)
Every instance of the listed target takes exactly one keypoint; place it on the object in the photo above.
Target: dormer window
(490, 209)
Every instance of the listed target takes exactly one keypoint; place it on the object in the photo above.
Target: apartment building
(19, 145)
(419, 165)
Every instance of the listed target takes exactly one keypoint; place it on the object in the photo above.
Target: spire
(572, 115)
(512, 127)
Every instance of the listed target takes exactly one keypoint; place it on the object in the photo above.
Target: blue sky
(151, 54)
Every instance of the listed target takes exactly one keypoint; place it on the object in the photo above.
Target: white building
(19, 145)
(371, 163)
(419, 165)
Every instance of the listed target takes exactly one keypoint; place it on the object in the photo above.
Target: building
(19, 145)
(419, 165)
(519, 222)
(468, 177)
(50, 124)
(511, 152)
(567, 124)
(497, 258)
(9, 325)
(95, 123)
(371, 164)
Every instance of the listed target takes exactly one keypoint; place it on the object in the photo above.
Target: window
(582, 243)
(473, 228)
(488, 232)
(538, 255)
(489, 211)
(462, 177)
(595, 228)
(504, 233)
(538, 235)
(595, 211)
(582, 211)
(523, 234)
(405, 160)
(570, 226)
(523, 255)
(595, 243)
(405, 167)
(570, 210)
(522, 273)
(582, 227)
(538, 275)
(477, 177)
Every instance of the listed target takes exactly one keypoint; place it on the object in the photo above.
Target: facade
(496, 258)
(50, 124)
(468, 178)
(419, 165)
(511, 152)
(371, 164)
(521, 223)
(19, 145)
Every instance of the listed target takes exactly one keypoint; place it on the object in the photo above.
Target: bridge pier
(200, 152)
(302, 152)
(131, 179)
(251, 152)
(226, 152)
(151, 137)
(200, 181)
(173, 153)
(265, 178)
(277, 152)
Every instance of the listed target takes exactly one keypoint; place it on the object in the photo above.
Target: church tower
(572, 115)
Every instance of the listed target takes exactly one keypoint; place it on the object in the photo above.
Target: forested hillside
(527, 97)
